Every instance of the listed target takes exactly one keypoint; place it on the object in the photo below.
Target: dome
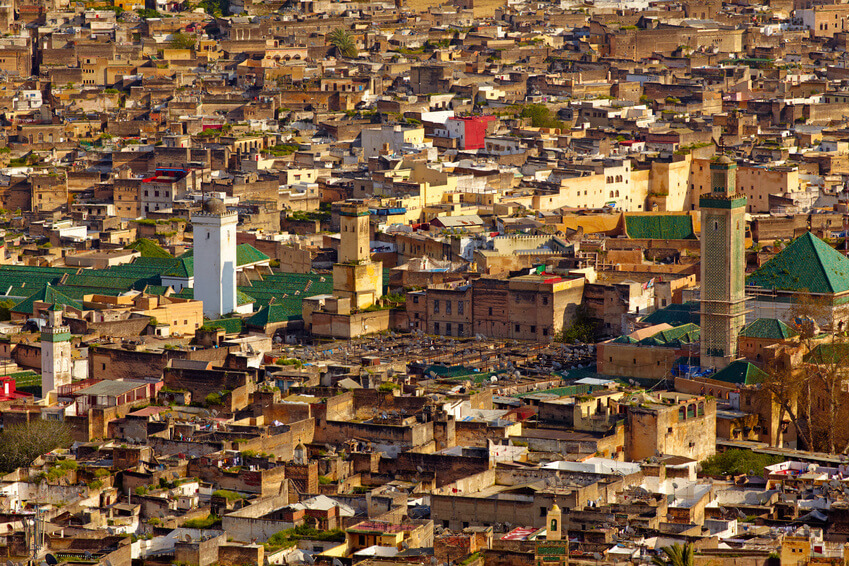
(214, 206)
(725, 160)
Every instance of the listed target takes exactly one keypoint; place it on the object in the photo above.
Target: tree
(21, 444)
(541, 116)
(182, 40)
(343, 42)
(806, 380)
(5, 308)
(676, 555)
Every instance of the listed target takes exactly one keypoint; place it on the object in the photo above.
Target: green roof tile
(807, 264)
(660, 226)
(230, 325)
(283, 311)
(149, 248)
(741, 372)
(46, 295)
(675, 314)
(673, 337)
(184, 268)
(246, 254)
(768, 328)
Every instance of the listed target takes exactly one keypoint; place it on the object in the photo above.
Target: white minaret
(215, 258)
(55, 352)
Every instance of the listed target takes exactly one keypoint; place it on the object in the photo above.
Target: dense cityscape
(424, 283)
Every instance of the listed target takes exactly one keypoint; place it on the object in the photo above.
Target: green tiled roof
(149, 248)
(673, 337)
(659, 226)
(46, 295)
(156, 289)
(675, 314)
(768, 328)
(184, 268)
(246, 254)
(625, 339)
(276, 312)
(98, 278)
(807, 264)
(741, 372)
(230, 325)
(244, 298)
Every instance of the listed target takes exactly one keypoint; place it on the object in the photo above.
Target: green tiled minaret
(723, 265)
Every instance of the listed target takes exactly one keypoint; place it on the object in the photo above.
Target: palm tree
(676, 555)
(343, 42)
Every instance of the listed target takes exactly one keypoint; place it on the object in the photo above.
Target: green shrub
(735, 462)
(211, 521)
(227, 494)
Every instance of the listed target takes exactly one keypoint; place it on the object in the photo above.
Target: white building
(215, 258)
(55, 353)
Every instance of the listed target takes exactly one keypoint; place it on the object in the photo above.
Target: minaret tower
(55, 352)
(356, 276)
(554, 550)
(723, 262)
(553, 526)
(214, 232)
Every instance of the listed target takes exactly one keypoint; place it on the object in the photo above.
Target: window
(447, 307)
(490, 311)
(436, 328)
(518, 328)
(543, 512)
(545, 331)
(682, 413)
(448, 329)
(533, 329)
(436, 305)
(460, 307)
(416, 299)
(460, 329)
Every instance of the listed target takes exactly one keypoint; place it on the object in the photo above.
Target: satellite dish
(86, 555)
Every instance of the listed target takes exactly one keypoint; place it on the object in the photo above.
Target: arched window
(691, 411)
(682, 413)
(701, 408)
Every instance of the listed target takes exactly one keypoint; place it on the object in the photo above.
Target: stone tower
(354, 230)
(553, 524)
(554, 550)
(55, 352)
(355, 276)
(722, 266)
(214, 231)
